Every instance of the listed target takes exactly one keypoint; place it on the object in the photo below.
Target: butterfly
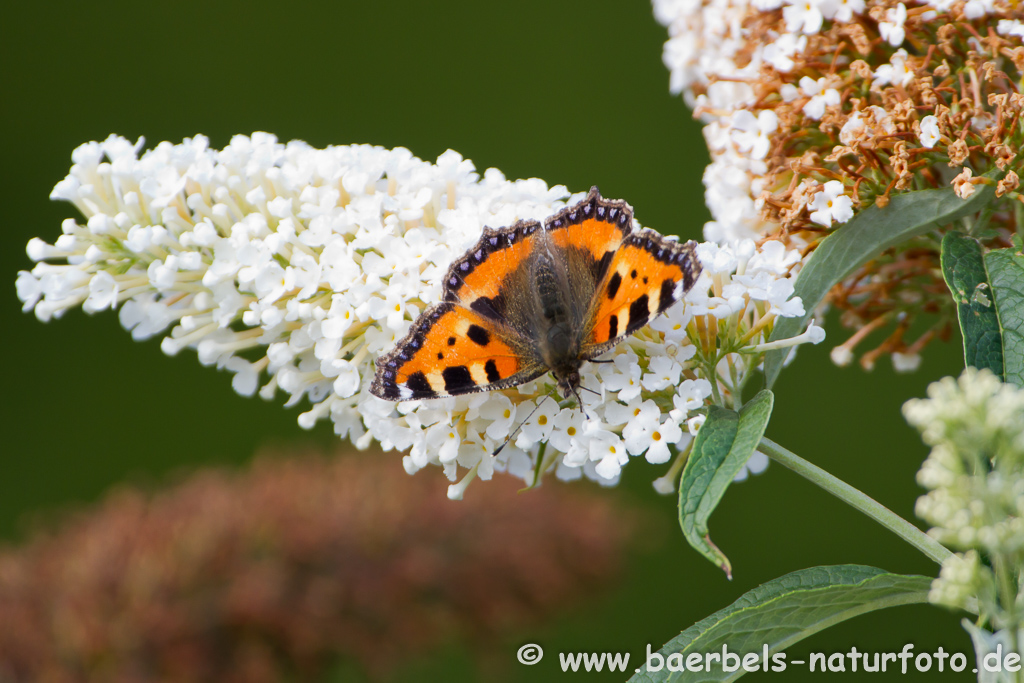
(530, 299)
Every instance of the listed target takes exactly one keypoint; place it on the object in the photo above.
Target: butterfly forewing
(476, 280)
(595, 226)
(478, 338)
(647, 275)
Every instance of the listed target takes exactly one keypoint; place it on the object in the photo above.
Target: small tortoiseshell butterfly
(530, 299)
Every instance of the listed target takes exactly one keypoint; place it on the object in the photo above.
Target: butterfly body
(531, 298)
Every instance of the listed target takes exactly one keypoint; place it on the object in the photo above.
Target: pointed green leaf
(963, 267)
(782, 612)
(723, 445)
(1005, 269)
(864, 237)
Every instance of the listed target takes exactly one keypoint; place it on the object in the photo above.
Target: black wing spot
(601, 267)
(633, 274)
(667, 296)
(440, 356)
(457, 380)
(645, 281)
(419, 385)
(451, 341)
(492, 308)
(639, 312)
(613, 327)
(491, 368)
(613, 285)
(478, 335)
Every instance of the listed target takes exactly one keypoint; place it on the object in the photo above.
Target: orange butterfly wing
(465, 344)
(596, 226)
(647, 274)
(630, 276)
(483, 336)
(450, 350)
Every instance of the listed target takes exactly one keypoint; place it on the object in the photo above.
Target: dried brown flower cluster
(273, 573)
(832, 106)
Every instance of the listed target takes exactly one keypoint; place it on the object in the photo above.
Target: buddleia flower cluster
(294, 268)
(975, 501)
(818, 109)
(278, 571)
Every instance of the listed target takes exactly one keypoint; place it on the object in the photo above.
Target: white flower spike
(294, 268)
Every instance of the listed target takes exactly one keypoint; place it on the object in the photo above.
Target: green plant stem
(858, 499)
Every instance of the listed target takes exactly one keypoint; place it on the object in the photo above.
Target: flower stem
(858, 499)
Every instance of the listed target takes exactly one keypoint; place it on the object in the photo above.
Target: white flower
(895, 72)
(648, 434)
(1010, 27)
(821, 97)
(695, 423)
(779, 54)
(753, 134)
(444, 440)
(906, 362)
(540, 424)
(566, 426)
(626, 381)
(690, 396)
(830, 204)
(803, 15)
(501, 413)
(929, 131)
(608, 451)
(843, 10)
(976, 9)
(892, 28)
(664, 373)
(756, 464)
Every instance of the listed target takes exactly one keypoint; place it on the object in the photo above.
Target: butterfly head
(568, 382)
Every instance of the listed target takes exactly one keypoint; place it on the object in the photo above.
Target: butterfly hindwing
(647, 275)
(452, 350)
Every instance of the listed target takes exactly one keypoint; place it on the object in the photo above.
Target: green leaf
(963, 267)
(782, 612)
(1006, 277)
(864, 237)
(723, 445)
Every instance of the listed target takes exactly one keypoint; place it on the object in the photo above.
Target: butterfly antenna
(596, 393)
(579, 401)
(519, 426)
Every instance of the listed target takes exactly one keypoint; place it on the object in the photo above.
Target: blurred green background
(571, 92)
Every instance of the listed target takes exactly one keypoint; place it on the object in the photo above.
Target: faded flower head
(282, 570)
(815, 110)
(975, 480)
(294, 268)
